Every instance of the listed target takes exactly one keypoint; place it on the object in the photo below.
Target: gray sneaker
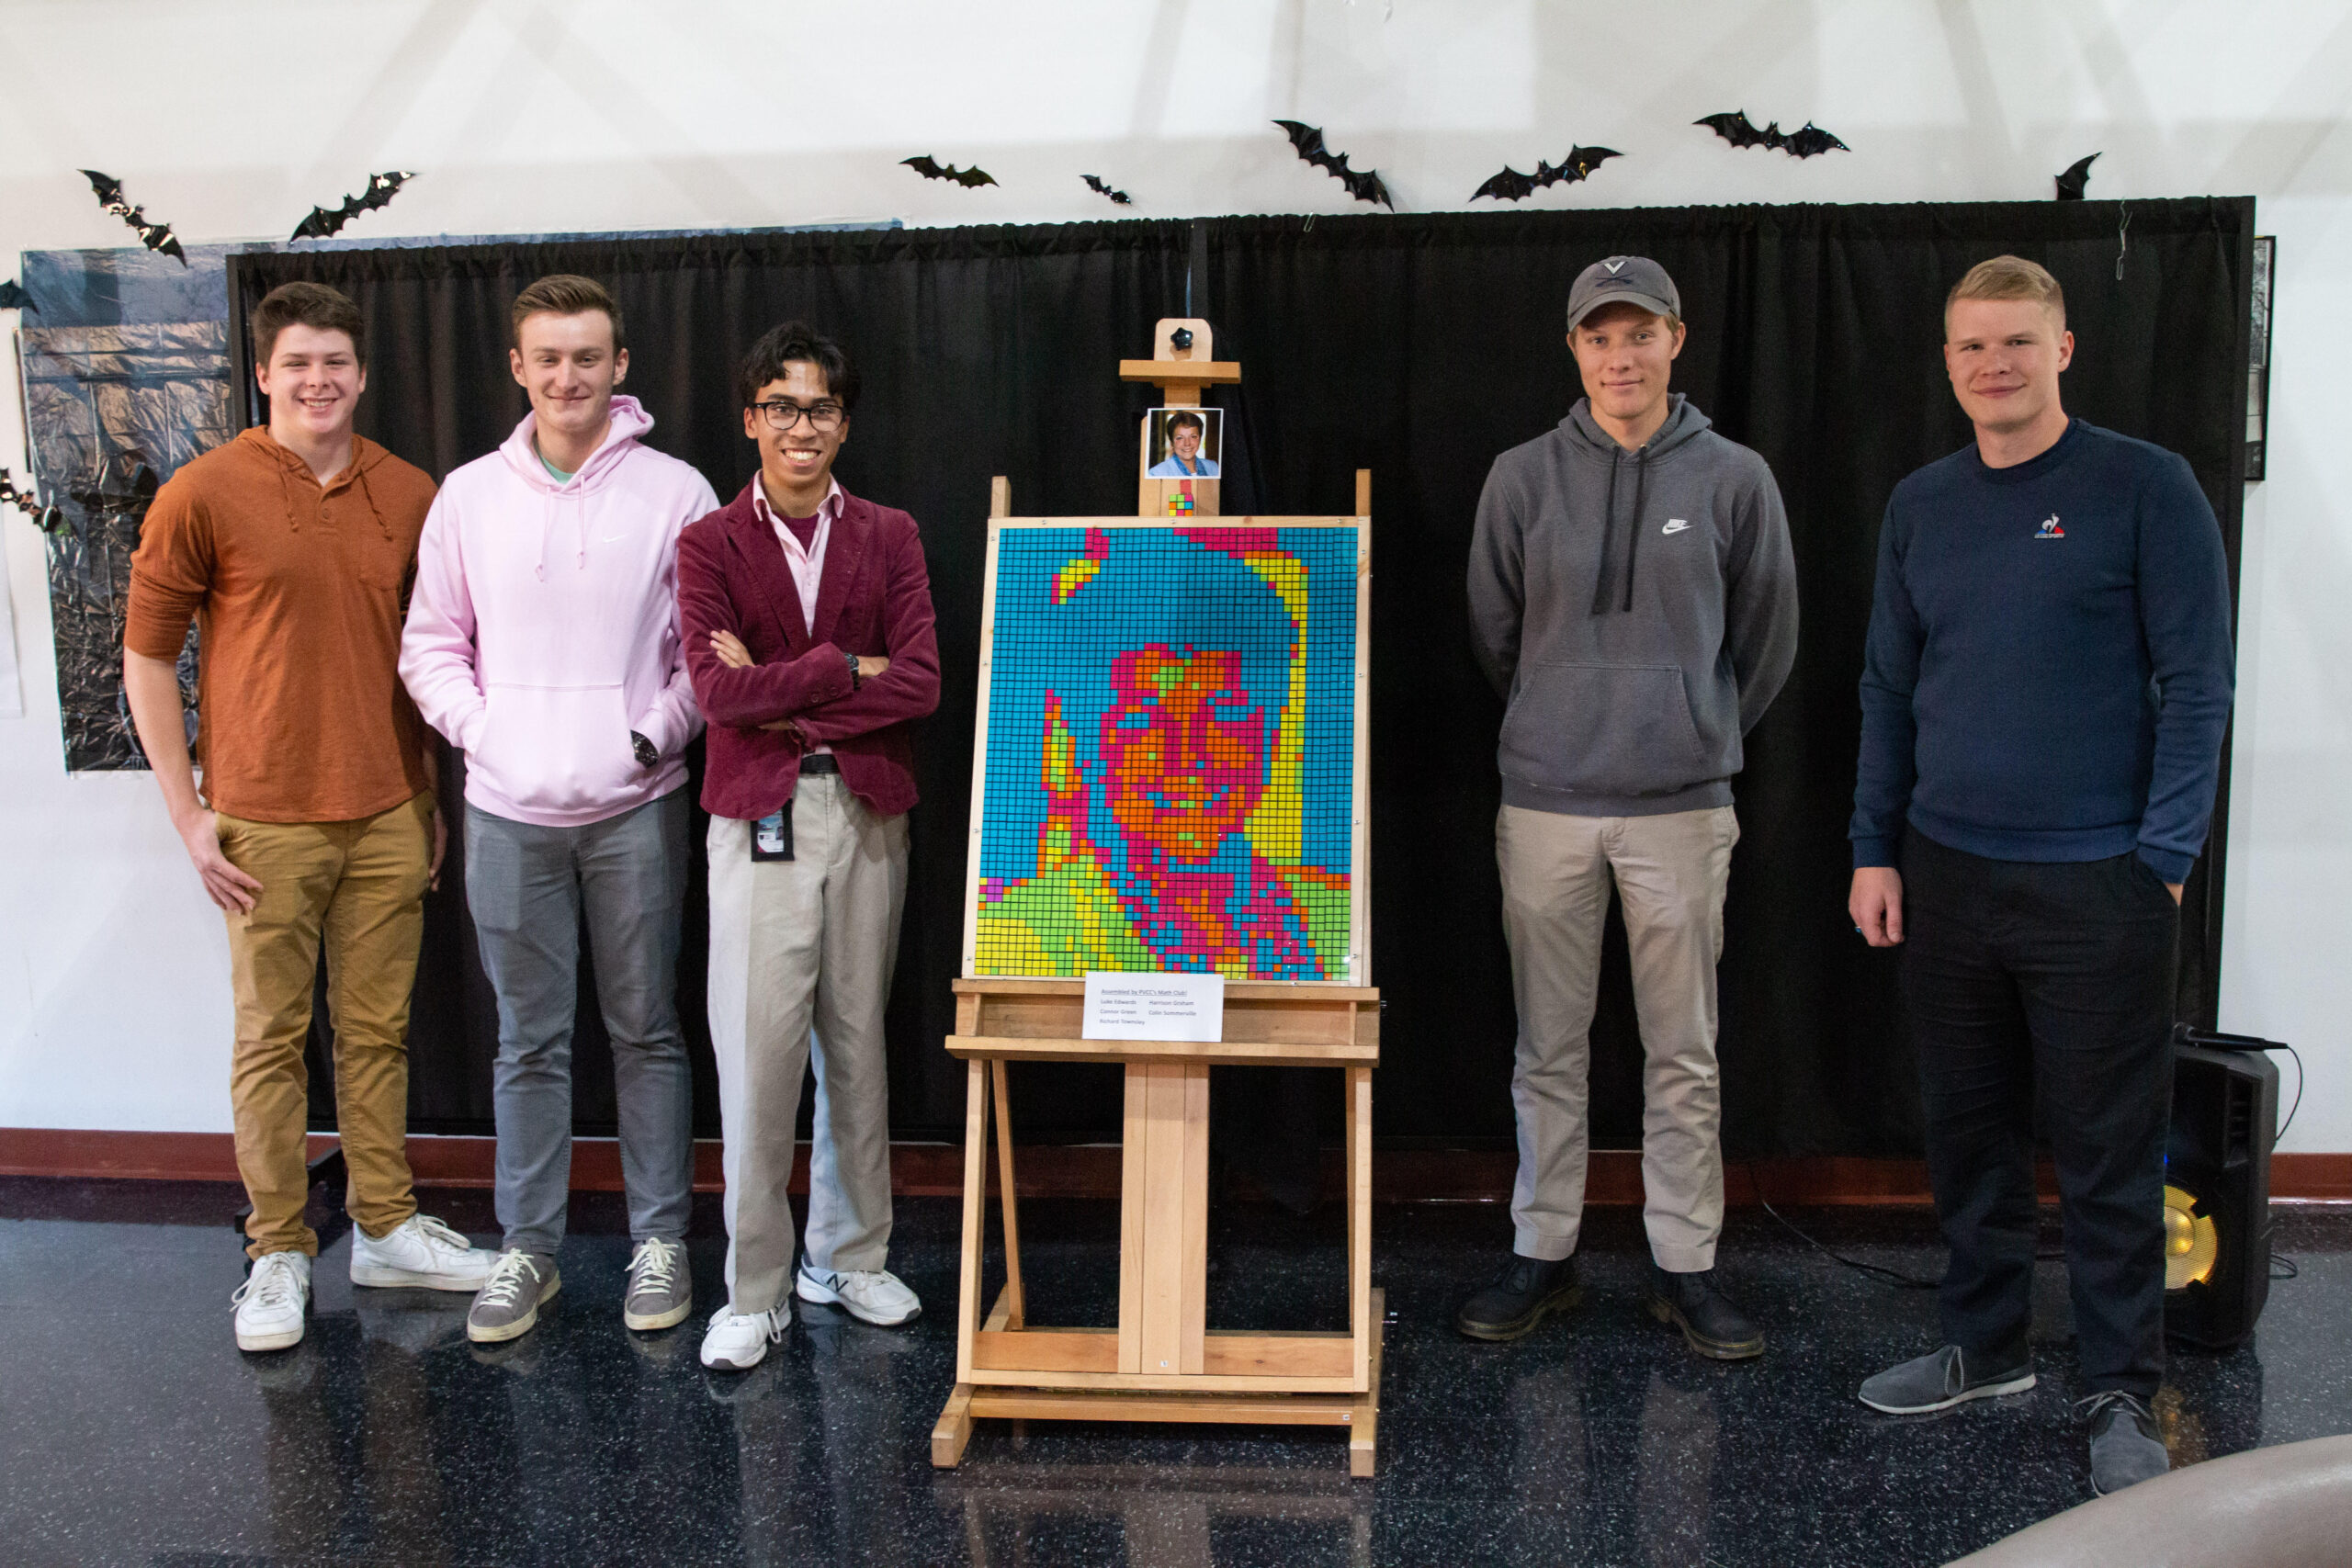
(1940, 1380)
(508, 1305)
(660, 1288)
(2125, 1450)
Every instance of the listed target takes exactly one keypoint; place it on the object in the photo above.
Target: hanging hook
(2122, 241)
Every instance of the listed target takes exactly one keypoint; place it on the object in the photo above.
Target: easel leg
(1363, 1313)
(1363, 1421)
(999, 1072)
(954, 1429)
(975, 1200)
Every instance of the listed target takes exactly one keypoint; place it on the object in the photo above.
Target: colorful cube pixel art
(1169, 753)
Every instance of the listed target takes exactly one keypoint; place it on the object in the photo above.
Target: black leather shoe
(1697, 1305)
(1519, 1297)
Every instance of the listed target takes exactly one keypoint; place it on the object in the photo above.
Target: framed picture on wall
(2257, 389)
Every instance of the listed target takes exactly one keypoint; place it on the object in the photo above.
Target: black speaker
(2217, 1188)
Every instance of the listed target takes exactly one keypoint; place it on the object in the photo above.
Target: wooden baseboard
(1083, 1170)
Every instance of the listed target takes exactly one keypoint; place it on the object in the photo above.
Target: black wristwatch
(647, 755)
(856, 679)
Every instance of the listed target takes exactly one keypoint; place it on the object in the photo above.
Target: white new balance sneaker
(421, 1252)
(876, 1296)
(271, 1302)
(737, 1343)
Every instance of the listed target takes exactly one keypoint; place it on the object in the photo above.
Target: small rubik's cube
(1180, 499)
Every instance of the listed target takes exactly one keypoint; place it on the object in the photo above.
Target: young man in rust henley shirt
(291, 548)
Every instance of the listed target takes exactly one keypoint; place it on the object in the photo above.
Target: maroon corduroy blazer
(875, 598)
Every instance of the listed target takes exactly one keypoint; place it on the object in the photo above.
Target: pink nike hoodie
(544, 626)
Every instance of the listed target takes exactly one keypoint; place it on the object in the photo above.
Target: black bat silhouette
(1740, 131)
(932, 169)
(2077, 176)
(48, 519)
(1094, 184)
(1512, 185)
(1362, 184)
(154, 236)
(14, 297)
(381, 188)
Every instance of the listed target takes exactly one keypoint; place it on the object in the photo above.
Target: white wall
(230, 121)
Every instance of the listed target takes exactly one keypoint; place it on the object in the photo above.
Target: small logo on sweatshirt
(2050, 529)
(1675, 525)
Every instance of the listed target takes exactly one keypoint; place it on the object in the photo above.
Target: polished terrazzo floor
(133, 1431)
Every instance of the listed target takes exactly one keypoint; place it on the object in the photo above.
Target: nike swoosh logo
(1675, 526)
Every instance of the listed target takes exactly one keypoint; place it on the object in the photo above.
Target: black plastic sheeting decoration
(126, 378)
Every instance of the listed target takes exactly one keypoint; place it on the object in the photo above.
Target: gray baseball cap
(1630, 280)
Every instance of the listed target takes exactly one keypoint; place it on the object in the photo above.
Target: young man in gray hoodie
(1632, 595)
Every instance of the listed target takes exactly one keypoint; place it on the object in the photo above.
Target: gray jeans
(528, 886)
(1670, 871)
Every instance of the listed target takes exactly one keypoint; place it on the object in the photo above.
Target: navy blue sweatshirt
(2048, 671)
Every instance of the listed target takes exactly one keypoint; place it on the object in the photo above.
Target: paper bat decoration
(49, 519)
(2077, 176)
(1740, 131)
(1362, 184)
(154, 236)
(14, 297)
(380, 189)
(932, 169)
(1094, 184)
(1512, 185)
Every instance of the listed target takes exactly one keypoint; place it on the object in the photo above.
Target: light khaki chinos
(1670, 873)
(795, 944)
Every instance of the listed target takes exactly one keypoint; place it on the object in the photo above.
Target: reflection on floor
(133, 1432)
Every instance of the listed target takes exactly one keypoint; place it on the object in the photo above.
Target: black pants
(2026, 977)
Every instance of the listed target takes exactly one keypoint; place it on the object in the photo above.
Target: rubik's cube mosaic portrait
(1169, 754)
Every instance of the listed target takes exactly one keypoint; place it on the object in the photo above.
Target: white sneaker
(875, 1296)
(420, 1252)
(737, 1343)
(271, 1302)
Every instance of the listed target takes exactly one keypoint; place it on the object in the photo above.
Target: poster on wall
(126, 378)
(1170, 772)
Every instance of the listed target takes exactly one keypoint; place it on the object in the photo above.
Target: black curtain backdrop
(1418, 347)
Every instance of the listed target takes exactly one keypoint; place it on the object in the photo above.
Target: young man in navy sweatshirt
(1634, 596)
(2045, 693)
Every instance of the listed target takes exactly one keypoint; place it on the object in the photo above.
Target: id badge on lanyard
(772, 836)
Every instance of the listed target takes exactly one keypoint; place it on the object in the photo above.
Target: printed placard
(1127, 1006)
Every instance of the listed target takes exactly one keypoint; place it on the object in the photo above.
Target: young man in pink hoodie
(542, 640)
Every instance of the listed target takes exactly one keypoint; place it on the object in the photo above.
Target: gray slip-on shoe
(660, 1288)
(508, 1305)
(2125, 1450)
(1939, 1381)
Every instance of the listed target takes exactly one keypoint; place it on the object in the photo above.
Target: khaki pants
(359, 884)
(1670, 873)
(808, 942)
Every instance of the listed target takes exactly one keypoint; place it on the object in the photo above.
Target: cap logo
(1612, 266)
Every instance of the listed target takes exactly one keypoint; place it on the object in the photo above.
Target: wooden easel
(1162, 1362)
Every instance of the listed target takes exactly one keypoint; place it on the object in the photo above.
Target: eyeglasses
(782, 415)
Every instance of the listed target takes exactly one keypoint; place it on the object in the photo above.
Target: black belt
(820, 762)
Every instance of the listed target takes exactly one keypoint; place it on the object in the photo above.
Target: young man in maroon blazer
(806, 613)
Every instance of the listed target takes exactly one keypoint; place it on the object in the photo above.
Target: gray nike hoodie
(1638, 611)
